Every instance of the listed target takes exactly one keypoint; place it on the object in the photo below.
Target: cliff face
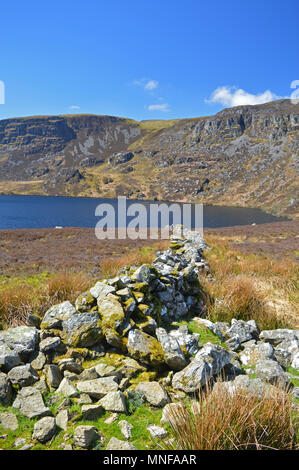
(247, 155)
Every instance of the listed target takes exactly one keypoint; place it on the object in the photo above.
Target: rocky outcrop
(123, 346)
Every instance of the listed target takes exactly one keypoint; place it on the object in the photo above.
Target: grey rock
(101, 290)
(30, 403)
(209, 361)
(157, 432)
(98, 388)
(153, 392)
(67, 389)
(49, 344)
(22, 339)
(70, 365)
(117, 444)
(39, 361)
(279, 335)
(8, 357)
(23, 376)
(62, 419)
(187, 341)
(53, 375)
(174, 356)
(44, 429)
(244, 331)
(92, 412)
(82, 330)
(271, 371)
(5, 390)
(114, 401)
(86, 436)
(145, 348)
(9, 421)
(54, 317)
(126, 429)
(252, 354)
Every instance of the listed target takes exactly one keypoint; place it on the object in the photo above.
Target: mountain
(246, 155)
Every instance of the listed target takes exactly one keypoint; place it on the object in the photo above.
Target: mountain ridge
(246, 155)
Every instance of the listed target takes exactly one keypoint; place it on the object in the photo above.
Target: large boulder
(44, 429)
(145, 348)
(82, 330)
(272, 372)
(23, 376)
(57, 314)
(22, 339)
(8, 357)
(30, 403)
(209, 361)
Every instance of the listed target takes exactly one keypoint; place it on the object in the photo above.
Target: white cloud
(151, 85)
(146, 83)
(159, 107)
(232, 96)
(74, 107)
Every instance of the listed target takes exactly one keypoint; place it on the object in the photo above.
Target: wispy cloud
(233, 96)
(146, 83)
(74, 106)
(159, 107)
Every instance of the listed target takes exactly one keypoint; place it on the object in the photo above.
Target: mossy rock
(86, 303)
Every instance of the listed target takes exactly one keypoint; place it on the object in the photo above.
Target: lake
(25, 212)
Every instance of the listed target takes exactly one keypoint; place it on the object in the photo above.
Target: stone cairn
(132, 316)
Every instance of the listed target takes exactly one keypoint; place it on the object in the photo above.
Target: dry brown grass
(242, 421)
(250, 286)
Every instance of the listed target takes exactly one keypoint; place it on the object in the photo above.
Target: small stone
(154, 393)
(98, 388)
(19, 442)
(157, 431)
(92, 412)
(114, 401)
(67, 389)
(126, 429)
(62, 419)
(30, 403)
(9, 421)
(8, 357)
(5, 390)
(39, 361)
(86, 436)
(117, 444)
(44, 429)
(49, 344)
(111, 419)
(53, 375)
(101, 290)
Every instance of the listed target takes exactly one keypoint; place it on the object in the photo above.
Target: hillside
(247, 156)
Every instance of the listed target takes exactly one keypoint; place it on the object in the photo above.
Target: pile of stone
(132, 315)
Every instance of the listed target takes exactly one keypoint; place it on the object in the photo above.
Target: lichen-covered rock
(209, 361)
(62, 419)
(145, 348)
(82, 330)
(254, 386)
(244, 331)
(23, 376)
(53, 376)
(86, 303)
(50, 344)
(98, 388)
(272, 372)
(8, 358)
(114, 401)
(187, 341)
(174, 356)
(57, 314)
(157, 432)
(22, 339)
(153, 392)
(30, 403)
(276, 337)
(5, 390)
(295, 361)
(44, 429)
(112, 320)
(253, 353)
(39, 361)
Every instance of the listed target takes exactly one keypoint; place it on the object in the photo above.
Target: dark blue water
(19, 212)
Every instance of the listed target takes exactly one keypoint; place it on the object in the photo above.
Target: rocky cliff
(247, 155)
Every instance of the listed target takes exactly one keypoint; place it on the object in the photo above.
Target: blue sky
(145, 59)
